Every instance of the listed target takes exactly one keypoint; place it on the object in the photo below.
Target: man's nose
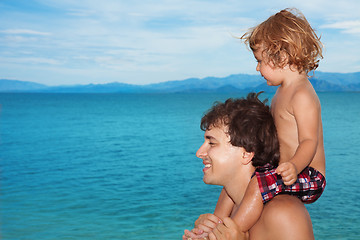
(258, 67)
(201, 152)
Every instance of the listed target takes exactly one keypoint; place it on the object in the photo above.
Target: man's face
(221, 159)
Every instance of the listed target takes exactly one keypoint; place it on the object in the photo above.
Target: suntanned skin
(297, 115)
(285, 217)
(232, 168)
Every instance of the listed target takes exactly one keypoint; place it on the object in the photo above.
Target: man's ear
(247, 157)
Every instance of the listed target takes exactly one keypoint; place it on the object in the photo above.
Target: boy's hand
(288, 172)
(194, 234)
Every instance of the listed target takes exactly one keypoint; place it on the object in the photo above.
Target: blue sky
(64, 42)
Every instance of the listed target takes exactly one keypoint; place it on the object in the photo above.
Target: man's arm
(207, 222)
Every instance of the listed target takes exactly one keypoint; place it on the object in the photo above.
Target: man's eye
(211, 143)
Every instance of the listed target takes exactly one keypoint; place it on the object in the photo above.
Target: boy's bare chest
(281, 109)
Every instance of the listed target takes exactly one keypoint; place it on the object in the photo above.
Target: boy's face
(221, 159)
(271, 74)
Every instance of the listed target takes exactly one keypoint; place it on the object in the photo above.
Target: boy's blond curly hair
(286, 38)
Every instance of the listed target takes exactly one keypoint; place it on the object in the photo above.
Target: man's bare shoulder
(284, 217)
(284, 206)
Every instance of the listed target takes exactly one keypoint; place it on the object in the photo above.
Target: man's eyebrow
(210, 137)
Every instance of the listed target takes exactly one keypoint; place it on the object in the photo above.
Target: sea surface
(123, 166)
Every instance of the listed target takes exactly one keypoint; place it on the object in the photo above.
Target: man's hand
(288, 172)
(207, 222)
(203, 226)
(228, 231)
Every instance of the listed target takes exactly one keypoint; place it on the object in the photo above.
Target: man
(240, 135)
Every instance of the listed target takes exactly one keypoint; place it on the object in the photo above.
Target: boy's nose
(258, 67)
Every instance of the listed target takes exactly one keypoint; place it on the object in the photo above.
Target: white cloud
(30, 60)
(24, 32)
(352, 27)
(158, 40)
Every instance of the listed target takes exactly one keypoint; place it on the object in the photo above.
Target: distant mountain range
(322, 82)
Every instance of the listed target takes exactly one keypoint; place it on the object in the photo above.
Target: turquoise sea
(123, 166)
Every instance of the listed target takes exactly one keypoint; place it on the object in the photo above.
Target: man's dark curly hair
(250, 125)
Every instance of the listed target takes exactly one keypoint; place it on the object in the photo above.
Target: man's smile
(207, 166)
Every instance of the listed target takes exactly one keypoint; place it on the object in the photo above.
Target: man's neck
(237, 187)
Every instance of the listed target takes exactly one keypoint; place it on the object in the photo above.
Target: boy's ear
(284, 59)
(247, 157)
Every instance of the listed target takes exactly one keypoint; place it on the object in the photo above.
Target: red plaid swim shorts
(308, 187)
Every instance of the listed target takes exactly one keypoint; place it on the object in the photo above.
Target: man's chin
(208, 181)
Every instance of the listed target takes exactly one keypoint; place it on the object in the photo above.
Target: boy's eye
(211, 143)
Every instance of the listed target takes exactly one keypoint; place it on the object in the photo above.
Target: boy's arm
(224, 205)
(307, 115)
(250, 208)
(306, 109)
